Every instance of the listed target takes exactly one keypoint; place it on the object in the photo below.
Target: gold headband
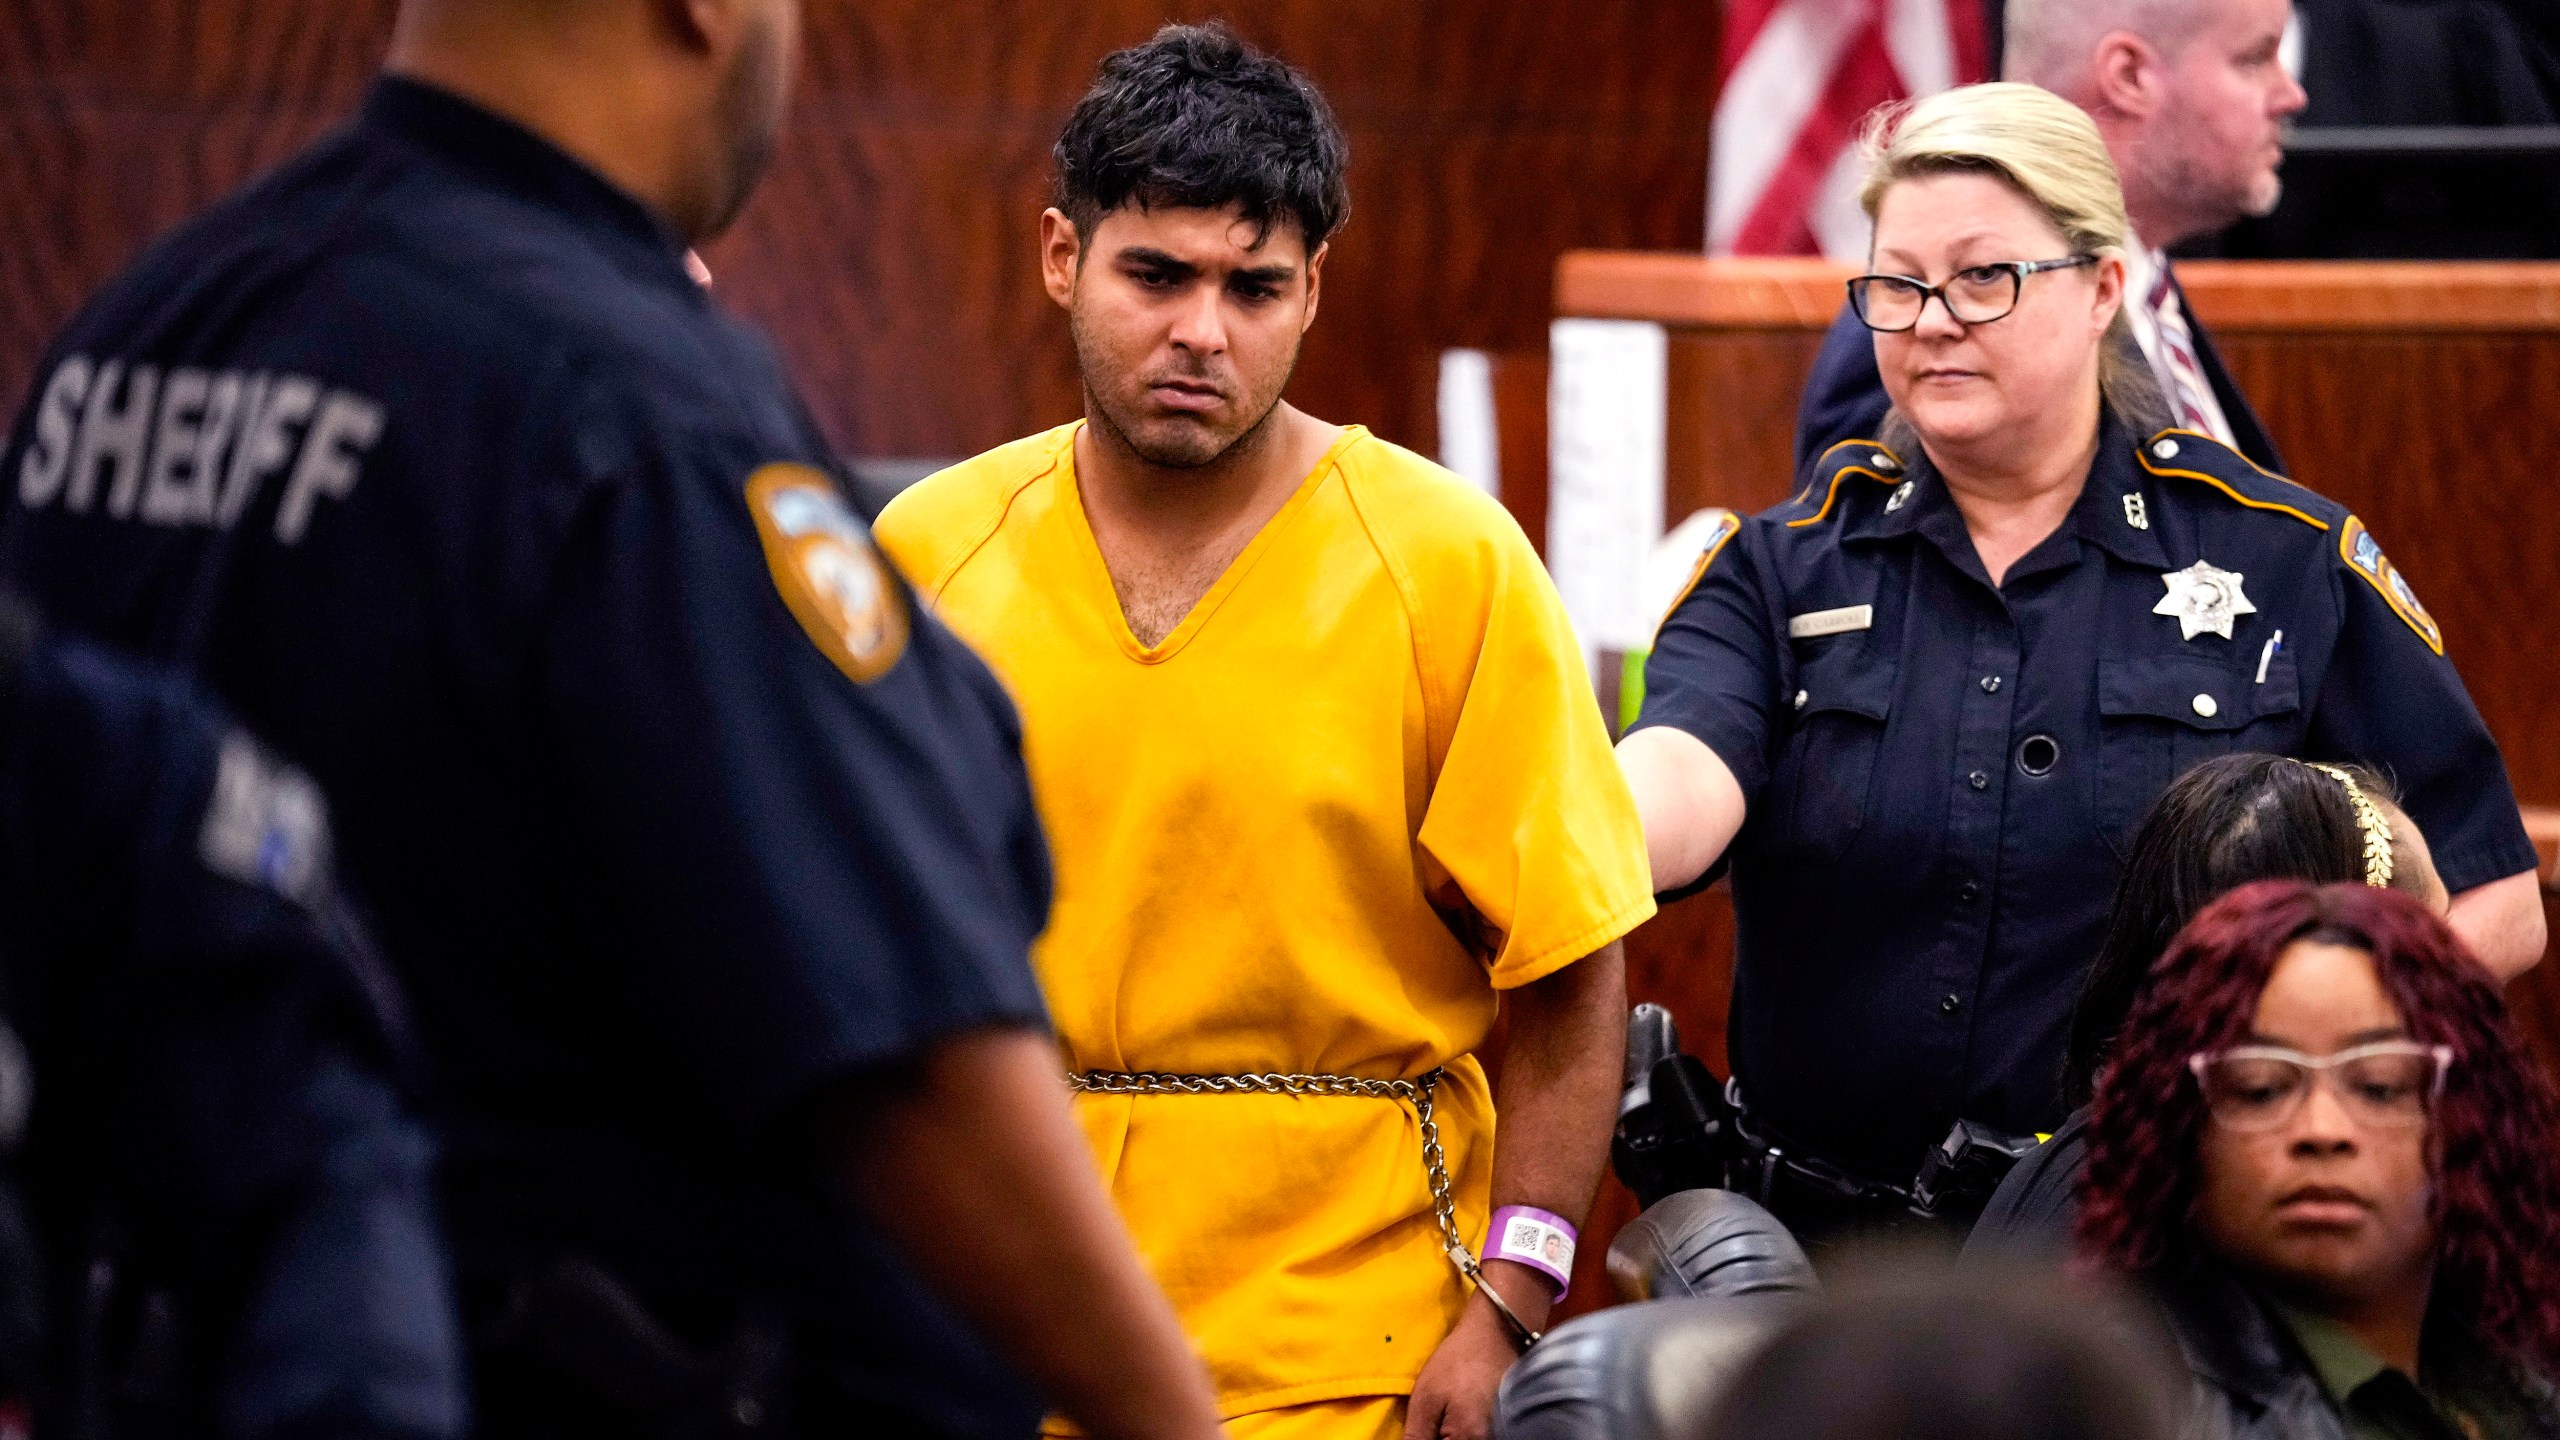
(2377, 831)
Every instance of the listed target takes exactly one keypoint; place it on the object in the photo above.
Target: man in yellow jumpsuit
(1324, 778)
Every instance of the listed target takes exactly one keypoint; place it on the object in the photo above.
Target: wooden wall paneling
(1733, 418)
(1743, 338)
(1520, 426)
(891, 249)
(2536, 999)
(117, 121)
(2435, 442)
(2313, 297)
(892, 253)
(1693, 292)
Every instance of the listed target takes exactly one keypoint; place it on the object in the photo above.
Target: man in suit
(2191, 97)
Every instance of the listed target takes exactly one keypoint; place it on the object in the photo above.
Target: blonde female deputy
(1919, 709)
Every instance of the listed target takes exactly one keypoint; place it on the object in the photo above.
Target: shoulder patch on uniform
(827, 570)
(266, 825)
(1718, 536)
(2193, 455)
(1849, 457)
(2364, 556)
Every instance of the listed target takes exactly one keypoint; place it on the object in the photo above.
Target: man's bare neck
(618, 132)
(1167, 534)
(2161, 216)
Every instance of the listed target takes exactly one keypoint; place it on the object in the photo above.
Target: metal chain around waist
(1417, 1092)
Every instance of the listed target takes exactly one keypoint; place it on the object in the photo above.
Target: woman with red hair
(2322, 1142)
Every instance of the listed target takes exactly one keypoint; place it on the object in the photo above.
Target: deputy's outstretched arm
(971, 1162)
(1555, 1104)
(2503, 923)
(1691, 805)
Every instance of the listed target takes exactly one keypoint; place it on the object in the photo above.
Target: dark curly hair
(1197, 119)
(2228, 821)
(2494, 1137)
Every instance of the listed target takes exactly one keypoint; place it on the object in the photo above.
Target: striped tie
(2186, 383)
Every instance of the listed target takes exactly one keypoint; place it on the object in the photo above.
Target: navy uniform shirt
(222, 1129)
(1943, 776)
(429, 456)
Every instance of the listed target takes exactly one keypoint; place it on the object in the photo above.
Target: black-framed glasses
(2390, 1084)
(1975, 295)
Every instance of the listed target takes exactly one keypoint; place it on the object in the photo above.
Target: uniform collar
(2102, 516)
(2117, 495)
(503, 153)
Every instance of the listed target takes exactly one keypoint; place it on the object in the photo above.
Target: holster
(1957, 1178)
(1675, 1131)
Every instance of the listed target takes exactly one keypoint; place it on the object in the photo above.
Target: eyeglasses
(1975, 295)
(2389, 1084)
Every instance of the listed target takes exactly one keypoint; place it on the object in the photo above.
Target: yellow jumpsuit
(1362, 788)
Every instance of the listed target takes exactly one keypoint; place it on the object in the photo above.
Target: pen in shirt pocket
(2275, 642)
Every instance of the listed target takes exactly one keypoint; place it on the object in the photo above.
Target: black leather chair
(1715, 1276)
(1652, 1371)
(1704, 1243)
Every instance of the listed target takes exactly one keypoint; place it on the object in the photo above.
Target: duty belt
(1954, 1180)
(1834, 1182)
(1416, 1092)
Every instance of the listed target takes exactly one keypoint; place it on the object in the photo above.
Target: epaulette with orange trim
(1843, 464)
(2195, 456)
(1718, 533)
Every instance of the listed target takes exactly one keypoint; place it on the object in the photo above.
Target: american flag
(1799, 76)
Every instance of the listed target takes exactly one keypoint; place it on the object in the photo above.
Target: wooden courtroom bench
(2424, 396)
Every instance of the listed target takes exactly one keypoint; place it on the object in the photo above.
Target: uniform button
(2166, 449)
(1990, 684)
(1950, 1004)
(2207, 706)
(1884, 462)
(1969, 892)
(1978, 780)
(1801, 697)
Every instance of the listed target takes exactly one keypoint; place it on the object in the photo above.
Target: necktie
(2183, 376)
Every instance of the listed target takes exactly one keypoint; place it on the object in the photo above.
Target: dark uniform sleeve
(1844, 397)
(1715, 670)
(824, 858)
(2392, 702)
(215, 1010)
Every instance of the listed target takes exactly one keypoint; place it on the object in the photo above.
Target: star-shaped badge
(2203, 598)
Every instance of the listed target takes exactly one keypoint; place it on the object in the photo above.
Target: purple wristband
(1528, 1236)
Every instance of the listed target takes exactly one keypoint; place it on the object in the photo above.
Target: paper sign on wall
(1605, 421)
(1469, 442)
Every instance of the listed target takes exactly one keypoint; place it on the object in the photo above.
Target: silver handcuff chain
(1417, 1092)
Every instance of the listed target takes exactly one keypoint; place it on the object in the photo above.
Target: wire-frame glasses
(2389, 1084)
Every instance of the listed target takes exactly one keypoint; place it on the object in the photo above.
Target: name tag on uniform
(1830, 622)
